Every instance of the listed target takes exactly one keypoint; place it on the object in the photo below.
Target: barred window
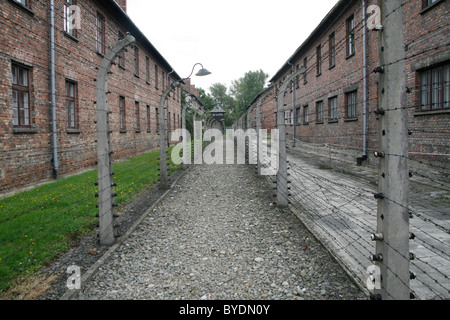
(332, 108)
(350, 102)
(319, 111)
(435, 88)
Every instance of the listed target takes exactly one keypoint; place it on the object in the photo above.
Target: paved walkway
(218, 236)
(336, 201)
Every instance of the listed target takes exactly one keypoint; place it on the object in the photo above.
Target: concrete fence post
(282, 180)
(105, 175)
(392, 240)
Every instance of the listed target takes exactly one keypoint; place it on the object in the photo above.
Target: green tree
(245, 89)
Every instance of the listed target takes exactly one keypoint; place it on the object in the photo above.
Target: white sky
(229, 37)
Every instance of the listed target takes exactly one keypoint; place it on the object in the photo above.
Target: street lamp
(163, 184)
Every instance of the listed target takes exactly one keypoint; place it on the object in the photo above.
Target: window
(163, 80)
(69, 17)
(157, 119)
(121, 54)
(21, 95)
(122, 114)
(137, 116)
(148, 118)
(71, 104)
(156, 76)
(25, 3)
(100, 33)
(297, 78)
(350, 102)
(299, 115)
(351, 36)
(435, 88)
(319, 111)
(305, 65)
(136, 60)
(332, 50)
(288, 117)
(332, 109)
(305, 114)
(168, 123)
(319, 60)
(147, 69)
(428, 3)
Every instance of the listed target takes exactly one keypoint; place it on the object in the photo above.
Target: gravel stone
(218, 236)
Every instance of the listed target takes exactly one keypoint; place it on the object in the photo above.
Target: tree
(235, 100)
(246, 89)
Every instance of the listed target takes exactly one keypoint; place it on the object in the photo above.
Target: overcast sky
(229, 37)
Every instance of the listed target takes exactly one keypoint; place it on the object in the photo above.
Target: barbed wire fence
(36, 226)
(395, 244)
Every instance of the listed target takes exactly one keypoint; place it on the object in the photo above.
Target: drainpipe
(364, 82)
(53, 89)
(167, 109)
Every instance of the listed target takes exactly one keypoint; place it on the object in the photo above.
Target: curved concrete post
(105, 174)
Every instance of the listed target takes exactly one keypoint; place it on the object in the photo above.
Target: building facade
(332, 103)
(83, 33)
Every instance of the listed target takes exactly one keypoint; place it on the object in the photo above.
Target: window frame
(351, 104)
(100, 31)
(443, 86)
(288, 117)
(122, 114)
(147, 69)
(333, 111)
(319, 112)
(136, 60)
(137, 116)
(305, 74)
(332, 50)
(157, 118)
(350, 36)
(21, 88)
(319, 60)
(26, 5)
(74, 100)
(306, 114)
(67, 23)
(426, 5)
(149, 124)
(121, 54)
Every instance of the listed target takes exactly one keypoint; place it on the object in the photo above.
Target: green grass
(38, 225)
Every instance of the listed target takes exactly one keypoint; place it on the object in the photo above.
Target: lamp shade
(203, 72)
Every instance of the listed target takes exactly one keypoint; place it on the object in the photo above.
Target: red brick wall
(26, 157)
(426, 34)
(427, 38)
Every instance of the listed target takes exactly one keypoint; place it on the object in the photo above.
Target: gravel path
(218, 236)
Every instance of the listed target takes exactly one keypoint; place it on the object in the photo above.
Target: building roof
(323, 26)
(116, 11)
(259, 95)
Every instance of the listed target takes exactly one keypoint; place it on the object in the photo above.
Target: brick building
(335, 99)
(137, 80)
